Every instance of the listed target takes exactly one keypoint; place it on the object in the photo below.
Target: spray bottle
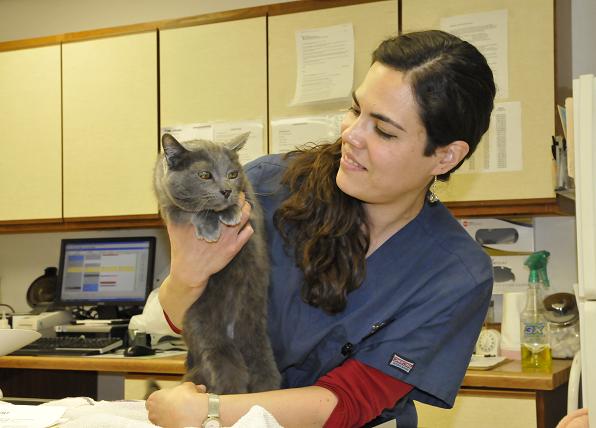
(535, 340)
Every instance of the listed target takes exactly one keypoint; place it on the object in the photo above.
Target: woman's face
(383, 141)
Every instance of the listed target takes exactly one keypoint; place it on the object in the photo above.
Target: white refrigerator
(584, 149)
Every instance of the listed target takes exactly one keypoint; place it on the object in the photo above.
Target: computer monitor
(106, 272)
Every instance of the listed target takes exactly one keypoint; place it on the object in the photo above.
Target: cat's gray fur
(225, 330)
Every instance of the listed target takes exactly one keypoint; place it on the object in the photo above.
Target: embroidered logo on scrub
(401, 363)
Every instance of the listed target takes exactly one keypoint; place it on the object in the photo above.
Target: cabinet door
(214, 73)
(372, 23)
(491, 408)
(30, 163)
(110, 126)
(531, 86)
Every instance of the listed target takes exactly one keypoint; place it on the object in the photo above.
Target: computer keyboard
(70, 345)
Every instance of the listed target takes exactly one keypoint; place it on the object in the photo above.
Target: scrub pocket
(325, 356)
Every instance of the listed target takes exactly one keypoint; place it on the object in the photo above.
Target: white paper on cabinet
(503, 150)
(190, 131)
(253, 148)
(289, 133)
(325, 64)
(487, 31)
(221, 132)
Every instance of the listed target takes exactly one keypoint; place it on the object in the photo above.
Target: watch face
(211, 423)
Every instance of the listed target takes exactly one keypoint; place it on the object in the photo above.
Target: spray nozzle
(536, 262)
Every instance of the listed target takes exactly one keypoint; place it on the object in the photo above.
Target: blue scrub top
(415, 317)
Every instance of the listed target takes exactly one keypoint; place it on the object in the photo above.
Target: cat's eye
(232, 175)
(205, 175)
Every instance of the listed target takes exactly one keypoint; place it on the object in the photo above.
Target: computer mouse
(138, 351)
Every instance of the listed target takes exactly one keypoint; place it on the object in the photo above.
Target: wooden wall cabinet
(84, 114)
(110, 126)
(30, 110)
(531, 82)
(80, 123)
(372, 23)
(214, 72)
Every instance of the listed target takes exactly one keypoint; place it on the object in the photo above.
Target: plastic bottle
(535, 335)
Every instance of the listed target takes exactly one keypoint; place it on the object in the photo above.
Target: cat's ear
(172, 150)
(237, 142)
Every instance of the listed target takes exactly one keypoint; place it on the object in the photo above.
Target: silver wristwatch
(212, 420)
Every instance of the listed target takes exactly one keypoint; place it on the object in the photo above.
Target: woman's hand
(194, 260)
(182, 406)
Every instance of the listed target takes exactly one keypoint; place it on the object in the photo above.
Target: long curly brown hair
(326, 228)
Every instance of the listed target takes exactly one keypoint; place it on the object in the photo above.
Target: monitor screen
(106, 271)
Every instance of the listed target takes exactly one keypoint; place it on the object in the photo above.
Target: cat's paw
(207, 227)
(231, 216)
(207, 235)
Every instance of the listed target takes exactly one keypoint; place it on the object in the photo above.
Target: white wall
(23, 258)
(25, 19)
(557, 236)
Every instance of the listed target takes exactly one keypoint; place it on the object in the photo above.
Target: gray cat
(225, 330)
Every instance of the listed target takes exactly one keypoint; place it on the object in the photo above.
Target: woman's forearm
(176, 298)
(186, 405)
(296, 407)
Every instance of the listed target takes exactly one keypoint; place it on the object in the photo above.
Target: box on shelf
(498, 234)
(509, 274)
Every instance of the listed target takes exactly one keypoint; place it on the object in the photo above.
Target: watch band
(213, 406)
(212, 420)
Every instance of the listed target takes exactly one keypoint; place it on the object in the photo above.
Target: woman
(377, 294)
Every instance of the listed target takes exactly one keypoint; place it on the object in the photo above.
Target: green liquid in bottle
(539, 359)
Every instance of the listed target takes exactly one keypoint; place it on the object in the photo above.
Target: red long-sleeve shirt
(362, 392)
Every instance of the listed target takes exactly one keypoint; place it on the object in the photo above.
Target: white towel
(84, 412)
(257, 416)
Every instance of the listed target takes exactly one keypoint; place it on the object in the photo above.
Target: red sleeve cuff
(362, 392)
(171, 324)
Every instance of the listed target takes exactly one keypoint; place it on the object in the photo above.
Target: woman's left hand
(184, 405)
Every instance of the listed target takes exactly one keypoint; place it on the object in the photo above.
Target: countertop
(508, 375)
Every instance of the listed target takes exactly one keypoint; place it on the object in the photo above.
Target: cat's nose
(226, 193)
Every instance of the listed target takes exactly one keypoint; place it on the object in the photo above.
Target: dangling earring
(432, 196)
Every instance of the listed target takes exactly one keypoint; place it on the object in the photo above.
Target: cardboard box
(500, 234)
